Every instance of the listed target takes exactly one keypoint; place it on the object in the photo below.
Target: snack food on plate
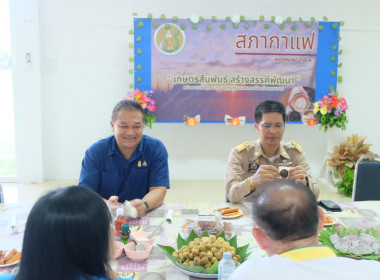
(210, 223)
(205, 251)
(10, 257)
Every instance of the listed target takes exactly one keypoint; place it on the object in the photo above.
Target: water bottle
(226, 266)
(119, 220)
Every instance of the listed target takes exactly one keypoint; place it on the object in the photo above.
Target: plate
(334, 221)
(237, 214)
(9, 264)
(198, 275)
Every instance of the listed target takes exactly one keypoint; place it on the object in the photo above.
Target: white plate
(233, 217)
(198, 275)
(334, 221)
(9, 264)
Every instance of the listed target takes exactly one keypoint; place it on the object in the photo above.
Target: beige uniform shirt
(245, 159)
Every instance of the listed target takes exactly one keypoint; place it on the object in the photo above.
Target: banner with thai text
(216, 68)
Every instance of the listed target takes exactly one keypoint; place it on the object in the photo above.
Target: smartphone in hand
(330, 205)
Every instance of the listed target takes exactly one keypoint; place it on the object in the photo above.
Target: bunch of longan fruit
(205, 251)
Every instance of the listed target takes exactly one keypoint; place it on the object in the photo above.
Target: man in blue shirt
(127, 165)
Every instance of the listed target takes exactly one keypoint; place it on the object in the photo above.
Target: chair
(366, 179)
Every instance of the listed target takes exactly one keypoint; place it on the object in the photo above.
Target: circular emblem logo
(169, 39)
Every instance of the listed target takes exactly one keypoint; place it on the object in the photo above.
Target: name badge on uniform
(145, 164)
(285, 162)
(253, 166)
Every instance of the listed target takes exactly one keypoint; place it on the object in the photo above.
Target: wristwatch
(146, 205)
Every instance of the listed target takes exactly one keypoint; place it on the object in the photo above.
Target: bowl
(142, 236)
(130, 251)
(117, 249)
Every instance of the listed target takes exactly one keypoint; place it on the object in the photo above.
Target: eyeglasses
(267, 126)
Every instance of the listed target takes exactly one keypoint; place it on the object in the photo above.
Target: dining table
(158, 266)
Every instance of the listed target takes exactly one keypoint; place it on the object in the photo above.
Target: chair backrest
(366, 179)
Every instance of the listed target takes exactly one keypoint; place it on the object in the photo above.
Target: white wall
(84, 51)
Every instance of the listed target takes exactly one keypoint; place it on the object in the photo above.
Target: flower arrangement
(329, 111)
(144, 98)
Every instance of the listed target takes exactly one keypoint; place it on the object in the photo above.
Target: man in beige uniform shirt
(253, 163)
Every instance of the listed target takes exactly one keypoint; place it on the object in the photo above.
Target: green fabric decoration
(139, 67)
(247, 25)
(235, 25)
(340, 79)
(312, 19)
(308, 23)
(340, 52)
(131, 32)
(261, 18)
(139, 79)
(149, 15)
(325, 19)
(334, 47)
(340, 65)
(194, 27)
(331, 88)
(131, 59)
(131, 71)
(162, 16)
(288, 19)
(138, 39)
(139, 51)
(332, 73)
(140, 24)
(334, 26)
(154, 24)
(320, 27)
(228, 18)
(273, 18)
(183, 27)
(175, 19)
(294, 27)
(131, 86)
(266, 26)
(201, 19)
(222, 26)
(131, 45)
(282, 26)
(341, 23)
(214, 18)
(254, 22)
(300, 19)
(167, 26)
(332, 58)
(209, 27)
(242, 18)
(135, 14)
(339, 38)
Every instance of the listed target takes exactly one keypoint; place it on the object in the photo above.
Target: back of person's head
(269, 106)
(285, 210)
(128, 105)
(67, 236)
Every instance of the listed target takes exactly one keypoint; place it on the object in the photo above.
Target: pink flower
(152, 108)
(337, 113)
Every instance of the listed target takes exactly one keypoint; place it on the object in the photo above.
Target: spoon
(152, 233)
(139, 246)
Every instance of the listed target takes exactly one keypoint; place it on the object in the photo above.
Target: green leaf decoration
(154, 24)
(228, 18)
(325, 19)
(131, 45)
(222, 26)
(282, 26)
(139, 51)
(273, 18)
(140, 24)
(168, 250)
(324, 238)
(332, 73)
(183, 27)
(214, 18)
(261, 18)
(149, 15)
(247, 25)
(334, 47)
(130, 71)
(235, 25)
(334, 26)
(320, 27)
(266, 26)
(340, 79)
(162, 16)
(194, 27)
(139, 79)
(131, 59)
(331, 88)
(131, 86)
(340, 52)
(131, 32)
(175, 19)
(167, 26)
(339, 38)
(332, 58)
(139, 67)
(242, 18)
(209, 27)
(300, 19)
(308, 23)
(201, 19)
(312, 19)
(341, 23)
(138, 39)
(135, 14)
(294, 27)
(288, 19)
(340, 65)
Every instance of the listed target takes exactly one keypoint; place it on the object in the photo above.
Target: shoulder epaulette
(298, 147)
(242, 146)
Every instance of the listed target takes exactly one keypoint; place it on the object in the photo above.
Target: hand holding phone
(330, 205)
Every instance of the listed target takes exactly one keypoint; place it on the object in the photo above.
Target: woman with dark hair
(68, 235)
